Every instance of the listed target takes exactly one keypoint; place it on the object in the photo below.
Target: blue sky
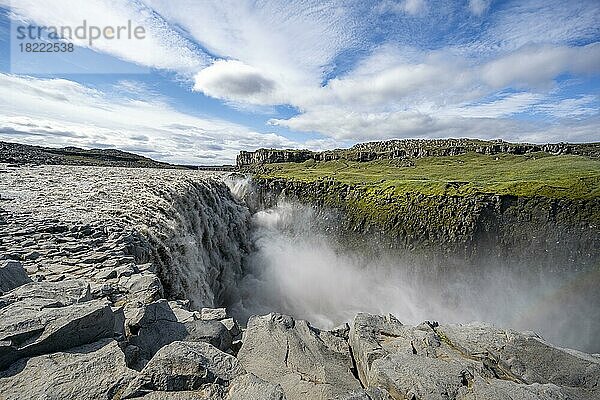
(211, 78)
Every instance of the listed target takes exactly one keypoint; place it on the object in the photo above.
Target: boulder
(429, 361)
(249, 386)
(144, 287)
(182, 312)
(213, 313)
(12, 275)
(306, 362)
(506, 390)
(93, 371)
(525, 355)
(185, 366)
(232, 326)
(50, 294)
(207, 392)
(157, 325)
(374, 393)
(31, 327)
(364, 339)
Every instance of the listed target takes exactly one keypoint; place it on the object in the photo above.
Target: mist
(303, 266)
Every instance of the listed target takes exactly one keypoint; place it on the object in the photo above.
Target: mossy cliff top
(535, 208)
(531, 175)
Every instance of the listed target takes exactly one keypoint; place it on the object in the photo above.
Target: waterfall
(302, 265)
(199, 237)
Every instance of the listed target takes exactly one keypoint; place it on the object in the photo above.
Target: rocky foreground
(111, 282)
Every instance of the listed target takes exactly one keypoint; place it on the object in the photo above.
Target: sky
(211, 78)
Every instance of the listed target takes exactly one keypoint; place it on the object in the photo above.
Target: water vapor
(302, 266)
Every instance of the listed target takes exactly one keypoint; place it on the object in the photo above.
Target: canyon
(123, 283)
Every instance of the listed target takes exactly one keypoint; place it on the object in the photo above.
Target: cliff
(413, 148)
(463, 199)
(529, 230)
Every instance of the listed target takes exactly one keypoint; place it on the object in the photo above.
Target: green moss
(536, 174)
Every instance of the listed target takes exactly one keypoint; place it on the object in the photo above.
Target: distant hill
(15, 153)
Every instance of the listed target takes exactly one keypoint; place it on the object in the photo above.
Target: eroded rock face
(157, 325)
(12, 275)
(249, 386)
(39, 325)
(306, 362)
(185, 366)
(136, 235)
(411, 149)
(466, 361)
(94, 371)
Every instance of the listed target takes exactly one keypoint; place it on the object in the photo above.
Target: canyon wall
(412, 148)
(531, 230)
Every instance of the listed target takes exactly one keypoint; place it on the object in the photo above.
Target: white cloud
(478, 7)
(344, 125)
(236, 81)
(64, 113)
(378, 126)
(533, 66)
(412, 7)
(277, 52)
(502, 107)
(520, 23)
(432, 93)
(295, 42)
(162, 47)
(581, 107)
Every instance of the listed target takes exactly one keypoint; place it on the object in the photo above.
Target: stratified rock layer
(410, 149)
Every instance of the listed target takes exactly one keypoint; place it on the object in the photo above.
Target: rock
(506, 390)
(525, 356)
(144, 287)
(185, 366)
(106, 273)
(119, 318)
(33, 326)
(55, 294)
(93, 371)
(182, 312)
(232, 326)
(249, 386)
(365, 343)
(207, 392)
(12, 275)
(157, 325)
(213, 313)
(281, 350)
(466, 361)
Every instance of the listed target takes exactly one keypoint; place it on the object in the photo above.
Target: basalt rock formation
(468, 227)
(411, 149)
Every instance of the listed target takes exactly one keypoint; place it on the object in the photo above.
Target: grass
(535, 174)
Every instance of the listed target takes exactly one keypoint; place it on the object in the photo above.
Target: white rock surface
(95, 371)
